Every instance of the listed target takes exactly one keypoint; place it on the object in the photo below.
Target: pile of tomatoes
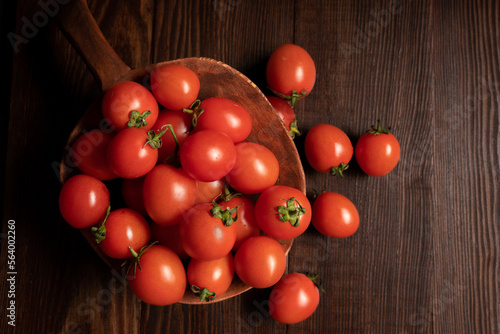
(202, 203)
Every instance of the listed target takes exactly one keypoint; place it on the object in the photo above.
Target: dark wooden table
(426, 257)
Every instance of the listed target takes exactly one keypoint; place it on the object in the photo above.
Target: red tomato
(290, 72)
(208, 191)
(377, 151)
(121, 99)
(181, 124)
(83, 201)
(334, 215)
(168, 236)
(160, 277)
(89, 152)
(129, 154)
(168, 193)
(293, 299)
(286, 113)
(203, 236)
(175, 87)
(260, 262)
(132, 194)
(328, 149)
(256, 168)
(283, 212)
(123, 228)
(207, 155)
(210, 279)
(225, 115)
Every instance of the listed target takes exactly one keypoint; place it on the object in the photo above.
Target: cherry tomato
(168, 193)
(328, 149)
(130, 155)
(160, 277)
(283, 212)
(286, 113)
(207, 155)
(290, 72)
(260, 262)
(205, 236)
(208, 191)
(168, 236)
(293, 299)
(89, 151)
(256, 168)
(132, 194)
(210, 279)
(225, 115)
(181, 124)
(334, 215)
(125, 97)
(83, 201)
(175, 87)
(121, 229)
(377, 151)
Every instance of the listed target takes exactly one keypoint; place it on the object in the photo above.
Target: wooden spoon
(216, 78)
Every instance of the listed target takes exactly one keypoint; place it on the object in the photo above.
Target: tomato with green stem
(334, 215)
(287, 115)
(210, 279)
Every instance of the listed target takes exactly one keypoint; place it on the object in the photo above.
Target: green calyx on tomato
(294, 128)
(339, 170)
(293, 97)
(154, 138)
(226, 215)
(99, 233)
(137, 119)
(195, 111)
(205, 294)
(227, 194)
(291, 212)
(313, 277)
(135, 260)
(378, 130)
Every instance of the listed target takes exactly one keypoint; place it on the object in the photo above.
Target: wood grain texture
(426, 258)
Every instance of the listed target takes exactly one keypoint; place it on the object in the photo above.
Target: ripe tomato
(160, 277)
(89, 151)
(208, 191)
(132, 194)
(334, 215)
(260, 262)
(121, 229)
(168, 193)
(210, 279)
(328, 149)
(121, 99)
(130, 155)
(290, 72)
(283, 212)
(168, 236)
(377, 151)
(225, 115)
(293, 299)
(207, 155)
(286, 113)
(175, 87)
(203, 236)
(256, 168)
(83, 201)
(181, 124)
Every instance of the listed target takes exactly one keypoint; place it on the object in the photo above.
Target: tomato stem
(291, 212)
(339, 170)
(227, 194)
(205, 294)
(195, 112)
(99, 233)
(136, 257)
(378, 130)
(294, 97)
(313, 277)
(294, 128)
(137, 119)
(226, 215)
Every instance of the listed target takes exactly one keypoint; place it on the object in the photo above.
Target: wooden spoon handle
(80, 28)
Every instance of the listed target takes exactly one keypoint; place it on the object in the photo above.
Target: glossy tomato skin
(255, 170)
(132, 194)
(203, 236)
(334, 215)
(89, 154)
(377, 154)
(83, 201)
(293, 299)
(215, 275)
(260, 262)
(174, 86)
(129, 156)
(208, 191)
(327, 146)
(267, 208)
(181, 124)
(207, 155)
(124, 227)
(168, 236)
(225, 115)
(168, 193)
(161, 280)
(124, 97)
(290, 68)
(286, 113)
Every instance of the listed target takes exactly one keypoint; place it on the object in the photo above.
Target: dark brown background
(426, 256)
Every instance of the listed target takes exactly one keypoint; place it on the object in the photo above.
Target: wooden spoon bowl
(216, 79)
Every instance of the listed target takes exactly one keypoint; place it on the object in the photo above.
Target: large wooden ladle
(217, 79)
